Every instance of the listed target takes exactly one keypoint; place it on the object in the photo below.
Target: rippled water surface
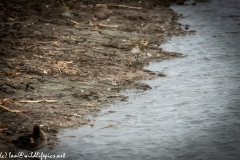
(193, 113)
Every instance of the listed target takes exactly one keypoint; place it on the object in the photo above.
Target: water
(192, 114)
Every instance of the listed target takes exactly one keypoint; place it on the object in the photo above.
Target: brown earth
(61, 61)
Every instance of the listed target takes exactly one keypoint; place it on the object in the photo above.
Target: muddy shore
(61, 61)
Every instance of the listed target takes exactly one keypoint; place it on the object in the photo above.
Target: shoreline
(59, 65)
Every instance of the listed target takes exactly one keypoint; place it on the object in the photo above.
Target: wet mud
(61, 61)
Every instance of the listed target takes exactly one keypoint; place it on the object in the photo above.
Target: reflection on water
(193, 113)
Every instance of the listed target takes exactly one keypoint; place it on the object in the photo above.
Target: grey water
(191, 114)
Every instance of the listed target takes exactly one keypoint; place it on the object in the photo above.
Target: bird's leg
(136, 57)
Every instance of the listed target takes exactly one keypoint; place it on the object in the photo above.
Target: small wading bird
(138, 47)
(33, 142)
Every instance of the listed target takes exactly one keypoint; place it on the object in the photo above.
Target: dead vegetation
(62, 60)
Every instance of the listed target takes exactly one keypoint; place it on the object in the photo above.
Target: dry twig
(105, 25)
(13, 110)
(38, 101)
(115, 95)
(118, 6)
